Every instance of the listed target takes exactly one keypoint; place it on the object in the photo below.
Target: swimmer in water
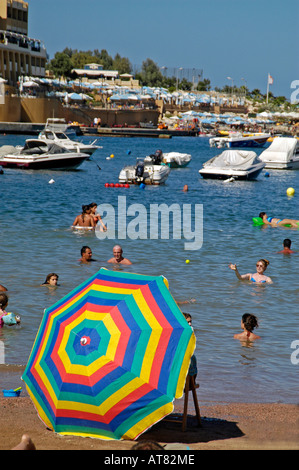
(286, 247)
(248, 323)
(96, 216)
(258, 277)
(3, 313)
(51, 280)
(86, 255)
(274, 221)
(118, 256)
(85, 219)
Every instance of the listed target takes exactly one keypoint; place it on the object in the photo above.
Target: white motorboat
(283, 154)
(38, 155)
(171, 159)
(144, 172)
(239, 140)
(58, 137)
(237, 164)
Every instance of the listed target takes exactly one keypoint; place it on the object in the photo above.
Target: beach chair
(190, 386)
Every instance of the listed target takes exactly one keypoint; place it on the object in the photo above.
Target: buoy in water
(51, 181)
(187, 261)
(290, 191)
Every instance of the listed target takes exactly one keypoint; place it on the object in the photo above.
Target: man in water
(286, 247)
(118, 256)
(86, 255)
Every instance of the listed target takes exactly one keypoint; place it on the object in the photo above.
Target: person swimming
(274, 221)
(51, 280)
(258, 277)
(7, 318)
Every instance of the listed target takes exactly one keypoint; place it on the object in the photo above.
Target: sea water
(36, 239)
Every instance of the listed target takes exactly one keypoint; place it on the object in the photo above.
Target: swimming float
(78, 227)
(10, 319)
(257, 221)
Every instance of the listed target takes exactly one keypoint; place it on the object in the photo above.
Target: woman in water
(274, 221)
(96, 216)
(85, 219)
(259, 276)
(248, 323)
(51, 280)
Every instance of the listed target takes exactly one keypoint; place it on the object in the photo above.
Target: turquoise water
(36, 239)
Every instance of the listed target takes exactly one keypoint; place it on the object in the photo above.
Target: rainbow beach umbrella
(110, 357)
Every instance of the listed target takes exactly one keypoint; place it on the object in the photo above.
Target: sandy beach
(225, 426)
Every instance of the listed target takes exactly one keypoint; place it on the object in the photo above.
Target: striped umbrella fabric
(110, 357)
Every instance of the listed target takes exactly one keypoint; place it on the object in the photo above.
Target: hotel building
(20, 55)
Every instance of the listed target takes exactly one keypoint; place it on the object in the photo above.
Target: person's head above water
(52, 279)
(249, 322)
(3, 300)
(263, 263)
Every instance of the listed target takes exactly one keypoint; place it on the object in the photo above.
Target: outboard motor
(139, 170)
(158, 157)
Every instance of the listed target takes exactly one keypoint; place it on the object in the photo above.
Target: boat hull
(176, 165)
(290, 165)
(238, 175)
(57, 164)
(247, 143)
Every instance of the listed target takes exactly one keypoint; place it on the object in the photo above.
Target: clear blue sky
(236, 38)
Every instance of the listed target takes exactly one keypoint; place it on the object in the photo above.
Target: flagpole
(267, 89)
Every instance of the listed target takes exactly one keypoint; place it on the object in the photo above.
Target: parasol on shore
(110, 357)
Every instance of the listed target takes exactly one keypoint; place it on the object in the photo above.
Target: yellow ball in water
(290, 191)
(112, 156)
(187, 261)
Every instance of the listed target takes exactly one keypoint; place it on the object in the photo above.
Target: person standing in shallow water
(85, 219)
(118, 256)
(258, 277)
(248, 323)
(286, 247)
(86, 255)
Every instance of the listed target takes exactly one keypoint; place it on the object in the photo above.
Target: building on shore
(20, 55)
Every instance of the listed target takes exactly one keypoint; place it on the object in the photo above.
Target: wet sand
(225, 426)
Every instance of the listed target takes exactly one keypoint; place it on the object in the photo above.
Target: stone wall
(38, 110)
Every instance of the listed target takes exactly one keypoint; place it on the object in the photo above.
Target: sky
(240, 39)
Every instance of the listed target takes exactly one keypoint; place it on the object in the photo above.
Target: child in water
(5, 317)
(248, 323)
(51, 280)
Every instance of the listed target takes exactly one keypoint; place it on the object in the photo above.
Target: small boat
(37, 155)
(238, 140)
(58, 137)
(283, 154)
(171, 159)
(144, 172)
(237, 164)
